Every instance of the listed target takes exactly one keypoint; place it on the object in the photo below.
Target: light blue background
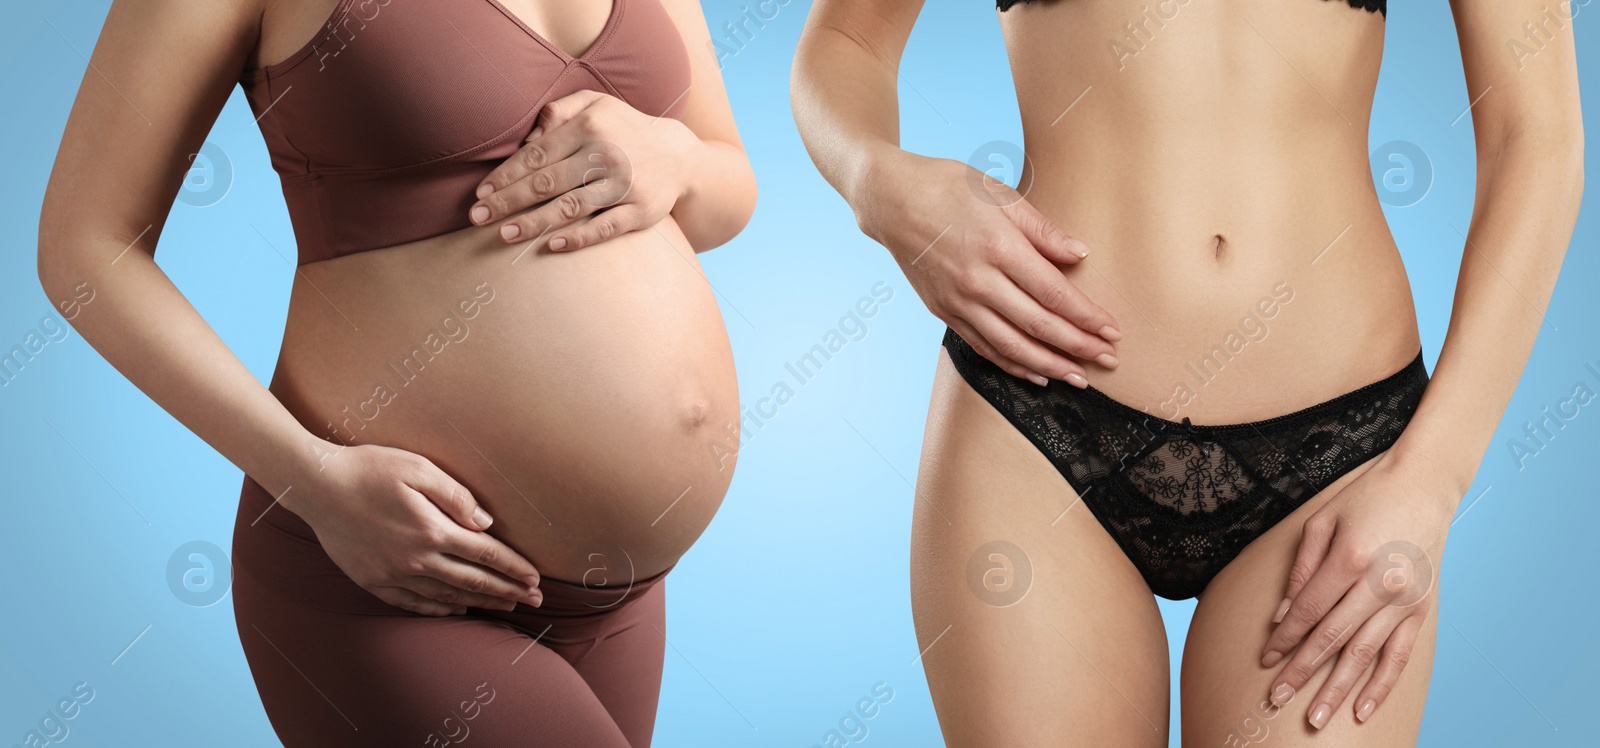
(795, 602)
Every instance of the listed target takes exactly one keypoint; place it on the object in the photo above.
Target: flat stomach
(1215, 162)
(583, 397)
(1238, 317)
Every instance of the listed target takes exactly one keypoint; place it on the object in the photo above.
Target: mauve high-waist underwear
(336, 666)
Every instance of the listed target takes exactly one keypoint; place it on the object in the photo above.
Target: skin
(1219, 160)
(573, 355)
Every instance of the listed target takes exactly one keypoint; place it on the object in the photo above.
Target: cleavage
(572, 26)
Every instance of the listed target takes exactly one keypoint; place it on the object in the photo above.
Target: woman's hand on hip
(407, 532)
(982, 259)
(1360, 588)
(591, 156)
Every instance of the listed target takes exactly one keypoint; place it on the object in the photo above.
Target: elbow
(56, 261)
(1569, 172)
(65, 270)
(60, 262)
(1562, 167)
(710, 228)
(1553, 154)
(53, 261)
(1558, 140)
(71, 256)
(1577, 186)
(1576, 159)
(733, 224)
(1568, 144)
(60, 275)
(747, 207)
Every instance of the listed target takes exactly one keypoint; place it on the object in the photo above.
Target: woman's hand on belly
(407, 532)
(980, 257)
(590, 155)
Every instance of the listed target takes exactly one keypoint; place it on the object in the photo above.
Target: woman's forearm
(1527, 201)
(141, 323)
(844, 95)
(720, 197)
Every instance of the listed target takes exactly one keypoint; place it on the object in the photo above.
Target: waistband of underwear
(566, 598)
(610, 584)
(1412, 375)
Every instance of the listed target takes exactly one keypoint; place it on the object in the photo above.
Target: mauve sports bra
(382, 126)
(1379, 6)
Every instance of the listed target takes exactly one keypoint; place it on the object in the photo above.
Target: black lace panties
(1184, 500)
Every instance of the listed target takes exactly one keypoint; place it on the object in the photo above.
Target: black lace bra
(1376, 6)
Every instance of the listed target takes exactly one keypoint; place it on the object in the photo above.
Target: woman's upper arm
(159, 74)
(881, 27)
(1522, 70)
(706, 110)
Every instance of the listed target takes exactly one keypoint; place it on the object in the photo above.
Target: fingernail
(532, 580)
(1058, 239)
(481, 518)
(1271, 658)
(510, 231)
(1076, 380)
(1319, 716)
(1283, 609)
(479, 214)
(1111, 333)
(1107, 360)
(534, 598)
(558, 243)
(537, 131)
(1366, 710)
(1282, 694)
(1038, 379)
(1079, 248)
(485, 190)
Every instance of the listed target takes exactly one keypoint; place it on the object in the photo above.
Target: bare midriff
(582, 397)
(1214, 158)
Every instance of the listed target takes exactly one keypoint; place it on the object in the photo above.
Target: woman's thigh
(1225, 689)
(330, 678)
(623, 669)
(1035, 628)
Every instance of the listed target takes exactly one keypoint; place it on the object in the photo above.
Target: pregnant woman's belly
(585, 398)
